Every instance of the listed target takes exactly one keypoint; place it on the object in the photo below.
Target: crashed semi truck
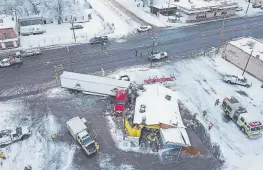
(79, 131)
(90, 84)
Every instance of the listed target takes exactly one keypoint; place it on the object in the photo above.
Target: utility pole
(73, 29)
(247, 62)
(151, 5)
(248, 5)
(154, 40)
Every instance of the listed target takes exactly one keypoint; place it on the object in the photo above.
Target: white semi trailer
(79, 131)
(91, 84)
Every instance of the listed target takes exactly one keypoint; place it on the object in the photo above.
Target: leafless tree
(58, 7)
(35, 6)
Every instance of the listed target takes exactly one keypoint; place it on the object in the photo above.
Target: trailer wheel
(228, 81)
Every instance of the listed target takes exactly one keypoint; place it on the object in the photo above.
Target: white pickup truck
(157, 55)
(9, 136)
(79, 131)
(239, 80)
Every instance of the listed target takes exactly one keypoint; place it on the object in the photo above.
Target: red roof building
(8, 38)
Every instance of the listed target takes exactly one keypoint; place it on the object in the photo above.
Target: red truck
(120, 100)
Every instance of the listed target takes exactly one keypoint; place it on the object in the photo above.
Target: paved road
(88, 58)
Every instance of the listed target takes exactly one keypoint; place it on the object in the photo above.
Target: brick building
(8, 38)
(240, 50)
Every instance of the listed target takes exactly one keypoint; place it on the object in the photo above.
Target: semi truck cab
(120, 100)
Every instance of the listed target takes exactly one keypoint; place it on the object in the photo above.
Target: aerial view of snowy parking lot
(131, 84)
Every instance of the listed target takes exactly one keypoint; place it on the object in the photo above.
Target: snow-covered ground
(106, 20)
(199, 83)
(61, 34)
(251, 11)
(34, 150)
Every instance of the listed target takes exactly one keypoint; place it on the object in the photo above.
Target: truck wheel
(243, 130)
(228, 81)
(25, 137)
(247, 85)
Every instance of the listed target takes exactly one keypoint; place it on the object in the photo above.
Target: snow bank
(8, 110)
(120, 23)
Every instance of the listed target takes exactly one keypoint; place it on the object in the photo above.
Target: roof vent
(142, 108)
(168, 97)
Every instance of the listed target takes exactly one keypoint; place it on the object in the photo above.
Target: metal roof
(76, 125)
(95, 79)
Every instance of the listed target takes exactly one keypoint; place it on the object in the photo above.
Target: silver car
(29, 52)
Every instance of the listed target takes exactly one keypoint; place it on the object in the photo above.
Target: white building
(238, 52)
(160, 110)
(196, 10)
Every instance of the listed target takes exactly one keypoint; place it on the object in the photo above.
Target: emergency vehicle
(249, 123)
(120, 100)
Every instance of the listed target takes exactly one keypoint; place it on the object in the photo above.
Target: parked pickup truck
(9, 136)
(232, 79)
(79, 131)
(29, 52)
(10, 61)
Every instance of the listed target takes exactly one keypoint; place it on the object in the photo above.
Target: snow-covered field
(199, 83)
(38, 150)
(106, 20)
(61, 34)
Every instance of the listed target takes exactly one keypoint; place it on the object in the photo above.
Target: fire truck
(120, 100)
(249, 123)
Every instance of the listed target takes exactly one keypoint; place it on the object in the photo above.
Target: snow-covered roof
(158, 108)
(252, 116)
(7, 22)
(175, 135)
(30, 17)
(95, 79)
(163, 4)
(247, 44)
(198, 4)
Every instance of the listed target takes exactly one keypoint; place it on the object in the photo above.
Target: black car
(98, 39)
(76, 27)
(256, 6)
